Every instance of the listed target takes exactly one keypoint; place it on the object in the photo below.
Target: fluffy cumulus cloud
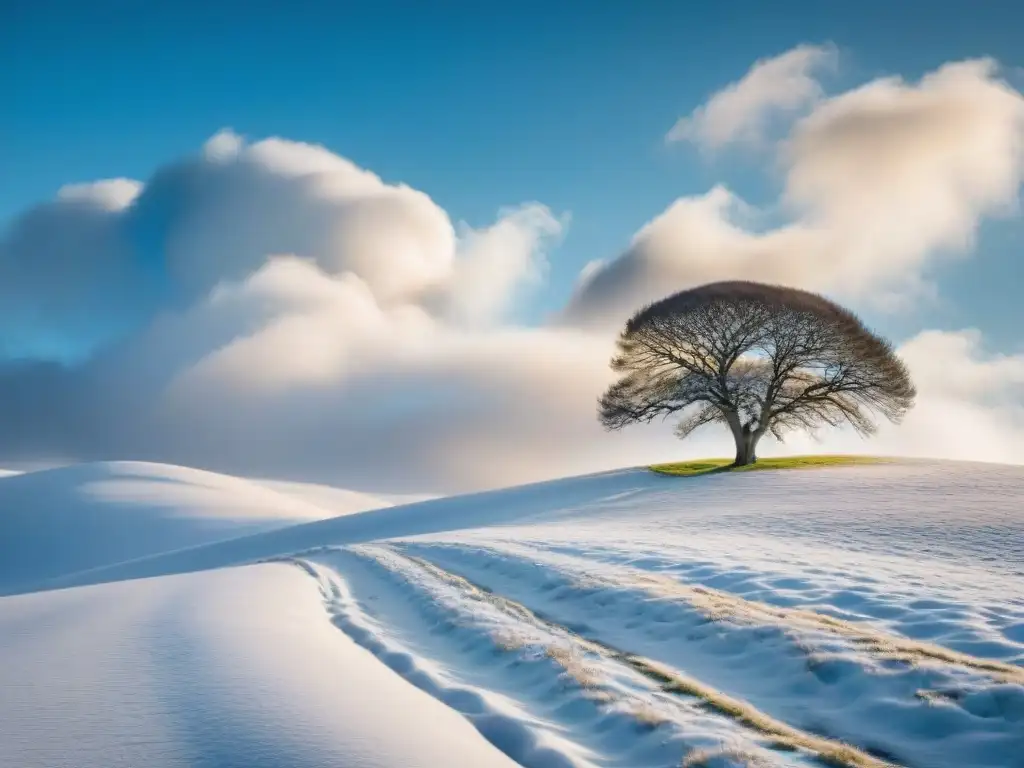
(740, 113)
(270, 308)
(61, 259)
(878, 182)
(218, 216)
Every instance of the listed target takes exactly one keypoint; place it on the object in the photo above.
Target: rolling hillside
(868, 615)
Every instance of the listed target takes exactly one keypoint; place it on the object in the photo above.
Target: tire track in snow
(508, 728)
(544, 689)
(650, 693)
(830, 751)
(717, 604)
(814, 680)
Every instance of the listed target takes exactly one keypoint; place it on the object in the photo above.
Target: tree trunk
(746, 446)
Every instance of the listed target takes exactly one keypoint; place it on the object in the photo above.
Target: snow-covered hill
(859, 616)
(58, 521)
(234, 668)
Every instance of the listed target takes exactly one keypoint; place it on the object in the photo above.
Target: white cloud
(956, 365)
(740, 112)
(283, 312)
(219, 215)
(223, 145)
(239, 203)
(880, 181)
(295, 372)
(109, 194)
(316, 322)
(901, 170)
(494, 263)
(60, 260)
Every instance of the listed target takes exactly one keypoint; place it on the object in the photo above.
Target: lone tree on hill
(759, 358)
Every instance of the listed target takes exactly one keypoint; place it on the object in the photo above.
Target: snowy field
(853, 616)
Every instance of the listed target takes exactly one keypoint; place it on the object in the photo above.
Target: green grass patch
(707, 466)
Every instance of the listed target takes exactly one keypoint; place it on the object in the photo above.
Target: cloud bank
(878, 183)
(220, 215)
(270, 308)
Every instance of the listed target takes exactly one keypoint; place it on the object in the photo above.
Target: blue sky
(393, 355)
(561, 102)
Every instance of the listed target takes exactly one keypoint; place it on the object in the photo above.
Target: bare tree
(758, 358)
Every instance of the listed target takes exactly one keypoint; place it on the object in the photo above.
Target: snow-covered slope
(229, 669)
(339, 501)
(539, 501)
(57, 521)
(859, 616)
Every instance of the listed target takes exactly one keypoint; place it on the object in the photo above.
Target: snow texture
(228, 668)
(860, 616)
(58, 521)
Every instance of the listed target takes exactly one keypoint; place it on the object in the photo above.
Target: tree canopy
(758, 358)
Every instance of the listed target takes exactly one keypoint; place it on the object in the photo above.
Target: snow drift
(231, 668)
(58, 521)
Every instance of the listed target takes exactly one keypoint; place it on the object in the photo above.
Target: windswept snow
(338, 501)
(213, 670)
(538, 501)
(58, 521)
(861, 616)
